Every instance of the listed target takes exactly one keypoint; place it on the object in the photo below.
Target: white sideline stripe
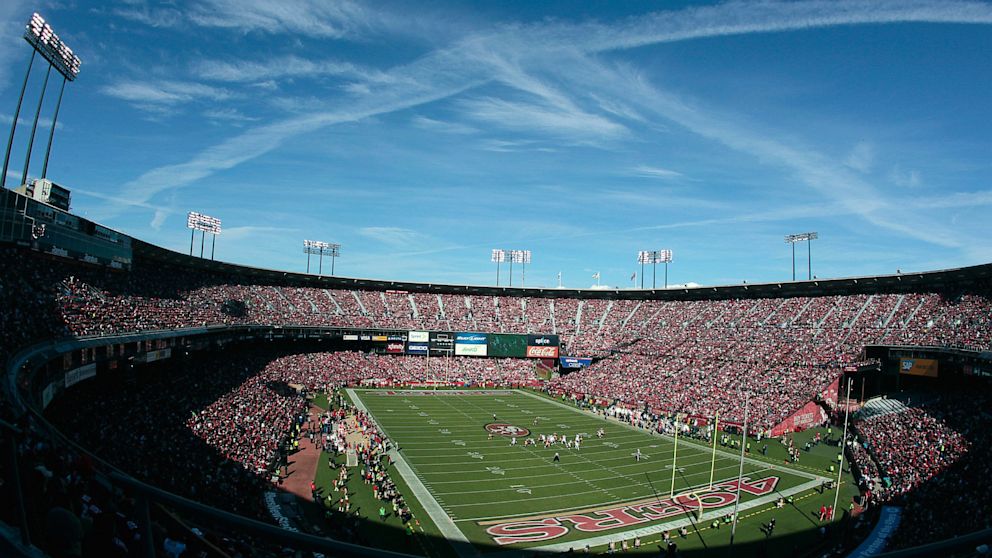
(463, 547)
(706, 518)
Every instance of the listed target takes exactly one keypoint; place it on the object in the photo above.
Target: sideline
(463, 547)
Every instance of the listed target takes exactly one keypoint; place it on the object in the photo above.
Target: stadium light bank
(321, 249)
(808, 237)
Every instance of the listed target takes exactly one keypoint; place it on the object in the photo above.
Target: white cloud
(522, 116)
(158, 219)
(228, 115)
(906, 178)
(441, 126)
(656, 172)
(163, 92)
(245, 71)
(314, 18)
(861, 157)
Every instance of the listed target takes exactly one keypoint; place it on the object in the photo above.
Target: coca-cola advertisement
(542, 352)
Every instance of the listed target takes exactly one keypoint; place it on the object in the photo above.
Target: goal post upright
(716, 427)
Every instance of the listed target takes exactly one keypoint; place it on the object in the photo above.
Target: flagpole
(716, 428)
(740, 473)
(675, 453)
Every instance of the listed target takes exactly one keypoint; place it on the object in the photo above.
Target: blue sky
(422, 135)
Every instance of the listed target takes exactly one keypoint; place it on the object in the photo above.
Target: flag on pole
(595, 275)
(633, 276)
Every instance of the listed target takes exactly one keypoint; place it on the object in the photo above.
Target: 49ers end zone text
(625, 515)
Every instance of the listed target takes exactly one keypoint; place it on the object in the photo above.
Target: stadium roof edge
(960, 278)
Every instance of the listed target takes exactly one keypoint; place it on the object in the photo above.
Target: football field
(481, 491)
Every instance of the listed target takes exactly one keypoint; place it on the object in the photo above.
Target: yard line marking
(445, 524)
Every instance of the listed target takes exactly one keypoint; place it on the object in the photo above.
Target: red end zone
(625, 515)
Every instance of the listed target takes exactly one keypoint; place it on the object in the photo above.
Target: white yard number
(476, 455)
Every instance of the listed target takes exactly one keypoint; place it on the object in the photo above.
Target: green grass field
(502, 499)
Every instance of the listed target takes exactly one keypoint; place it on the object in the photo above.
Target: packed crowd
(60, 297)
(934, 459)
(700, 387)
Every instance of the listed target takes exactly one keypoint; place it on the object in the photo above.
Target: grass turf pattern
(481, 483)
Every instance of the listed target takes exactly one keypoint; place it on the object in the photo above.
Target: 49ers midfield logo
(625, 515)
(508, 430)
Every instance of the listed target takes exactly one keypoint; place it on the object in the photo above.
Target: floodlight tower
(808, 237)
(321, 249)
(45, 42)
(643, 257)
(521, 257)
(665, 257)
(500, 256)
(205, 224)
(654, 257)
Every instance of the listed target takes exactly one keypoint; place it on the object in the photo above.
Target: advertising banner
(542, 352)
(575, 362)
(418, 337)
(507, 345)
(918, 367)
(416, 348)
(364, 337)
(379, 338)
(471, 338)
(441, 342)
(77, 375)
(470, 350)
(542, 346)
(152, 356)
(394, 347)
(348, 337)
(808, 416)
(471, 344)
(396, 338)
(543, 341)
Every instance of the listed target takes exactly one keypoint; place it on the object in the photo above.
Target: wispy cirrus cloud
(314, 18)
(163, 92)
(861, 157)
(291, 66)
(434, 125)
(524, 116)
(656, 172)
(311, 18)
(513, 55)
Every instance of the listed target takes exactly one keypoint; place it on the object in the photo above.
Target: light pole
(521, 257)
(808, 237)
(44, 41)
(654, 257)
(321, 249)
(205, 224)
(499, 256)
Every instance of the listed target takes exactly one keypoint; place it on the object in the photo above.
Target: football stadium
(163, 396)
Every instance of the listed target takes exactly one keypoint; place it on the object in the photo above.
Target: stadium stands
(226, 416)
